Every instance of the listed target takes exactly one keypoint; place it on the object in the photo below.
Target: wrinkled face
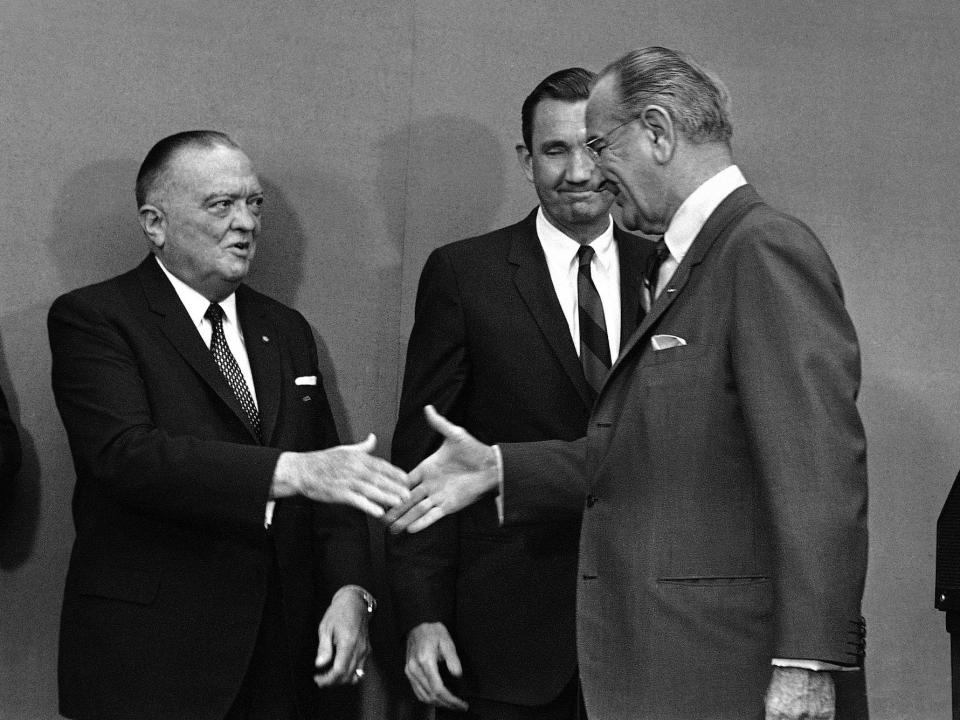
(565, 177)
(625, 160)
(210, 202)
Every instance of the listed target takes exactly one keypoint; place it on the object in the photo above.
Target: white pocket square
(306, 380)
(662, 342)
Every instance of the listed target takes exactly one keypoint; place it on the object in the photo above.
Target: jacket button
(591, 500)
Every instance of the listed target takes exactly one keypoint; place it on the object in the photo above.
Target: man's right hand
(346, 474)
(429, 644)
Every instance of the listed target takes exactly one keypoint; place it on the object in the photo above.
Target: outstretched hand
(346, 474)
(461, 471)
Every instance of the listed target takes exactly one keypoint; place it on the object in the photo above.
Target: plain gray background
(383, 129)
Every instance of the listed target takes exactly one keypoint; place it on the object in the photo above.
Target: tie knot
(585, 255)
(214, 314)
(663, 252)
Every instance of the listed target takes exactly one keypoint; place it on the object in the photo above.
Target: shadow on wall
(20, 500)
(96, 215)
(447, 186)
(441, 179)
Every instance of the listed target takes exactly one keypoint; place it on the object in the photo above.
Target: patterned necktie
(228, 366)
(651, 274)
(594, 344)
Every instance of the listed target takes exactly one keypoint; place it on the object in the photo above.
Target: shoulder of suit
(489, 246)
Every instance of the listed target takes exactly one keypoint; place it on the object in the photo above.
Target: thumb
(324, 650)
(368, 445)
(450, 658)
(439, 423)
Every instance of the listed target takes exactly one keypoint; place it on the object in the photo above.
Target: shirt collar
(693, 213)
(196, 304)
(556, 243)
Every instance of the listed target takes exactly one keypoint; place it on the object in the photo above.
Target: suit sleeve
(422, 567)
(797, 370)
(105, 409)
(10, 450)
(543, 480)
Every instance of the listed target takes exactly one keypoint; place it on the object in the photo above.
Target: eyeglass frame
(596, 155)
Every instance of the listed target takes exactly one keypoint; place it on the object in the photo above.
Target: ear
(525, 158)
(154, 224)
(660, 131)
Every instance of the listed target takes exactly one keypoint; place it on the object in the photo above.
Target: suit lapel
(263, 350)
(532, 279)
(729, 210)
(176, 325)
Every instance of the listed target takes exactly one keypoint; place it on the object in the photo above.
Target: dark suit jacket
(725, 518)
(490, 348)
(9, 445)
(167, 579)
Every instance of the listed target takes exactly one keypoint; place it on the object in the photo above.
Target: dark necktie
(594, 344)
(651, 274)
(228, 366)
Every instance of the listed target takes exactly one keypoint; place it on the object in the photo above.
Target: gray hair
(697, 101)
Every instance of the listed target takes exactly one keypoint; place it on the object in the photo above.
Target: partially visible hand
(461, 471)
(343, 640)
(800, 694)
(346, 474)
(429, 644)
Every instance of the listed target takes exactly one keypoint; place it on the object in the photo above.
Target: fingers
(399, 520)
(368, 445)
(426, 520)
(423, 671)
(346, 658)
(417, 496)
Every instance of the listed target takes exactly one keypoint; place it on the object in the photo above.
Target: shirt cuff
(499, 498)
(815, 665)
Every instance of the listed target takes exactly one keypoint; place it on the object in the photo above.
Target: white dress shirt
(561, 252)
(692, 215)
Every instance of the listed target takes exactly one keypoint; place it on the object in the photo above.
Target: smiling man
(218, 531)
(723, 477)
(513, 335)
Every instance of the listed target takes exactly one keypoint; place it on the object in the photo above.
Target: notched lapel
(733, 207)
(263, 350)
(532, 280)
(175, 324)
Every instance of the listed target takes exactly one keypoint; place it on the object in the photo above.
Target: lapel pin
(265, 338)
(306, 398)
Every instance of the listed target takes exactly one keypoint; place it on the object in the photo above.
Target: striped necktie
(594, 344)
(229, 367)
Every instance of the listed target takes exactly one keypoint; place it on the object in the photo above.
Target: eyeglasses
(594, 152)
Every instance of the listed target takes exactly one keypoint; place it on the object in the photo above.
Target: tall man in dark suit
(213, 538)
(497, 344)
(723, 476)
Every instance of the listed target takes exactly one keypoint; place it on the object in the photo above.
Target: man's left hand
(800, 694)
(344, 640)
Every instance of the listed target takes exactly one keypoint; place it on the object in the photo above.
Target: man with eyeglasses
(723, 477)
(506, 341)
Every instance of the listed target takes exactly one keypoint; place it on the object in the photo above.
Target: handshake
(456, 475)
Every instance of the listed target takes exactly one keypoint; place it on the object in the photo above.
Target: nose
(244, 218)
(580, 168)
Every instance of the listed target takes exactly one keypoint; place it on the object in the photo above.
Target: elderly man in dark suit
(500, 344)
(723, 476)
(214, 538)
